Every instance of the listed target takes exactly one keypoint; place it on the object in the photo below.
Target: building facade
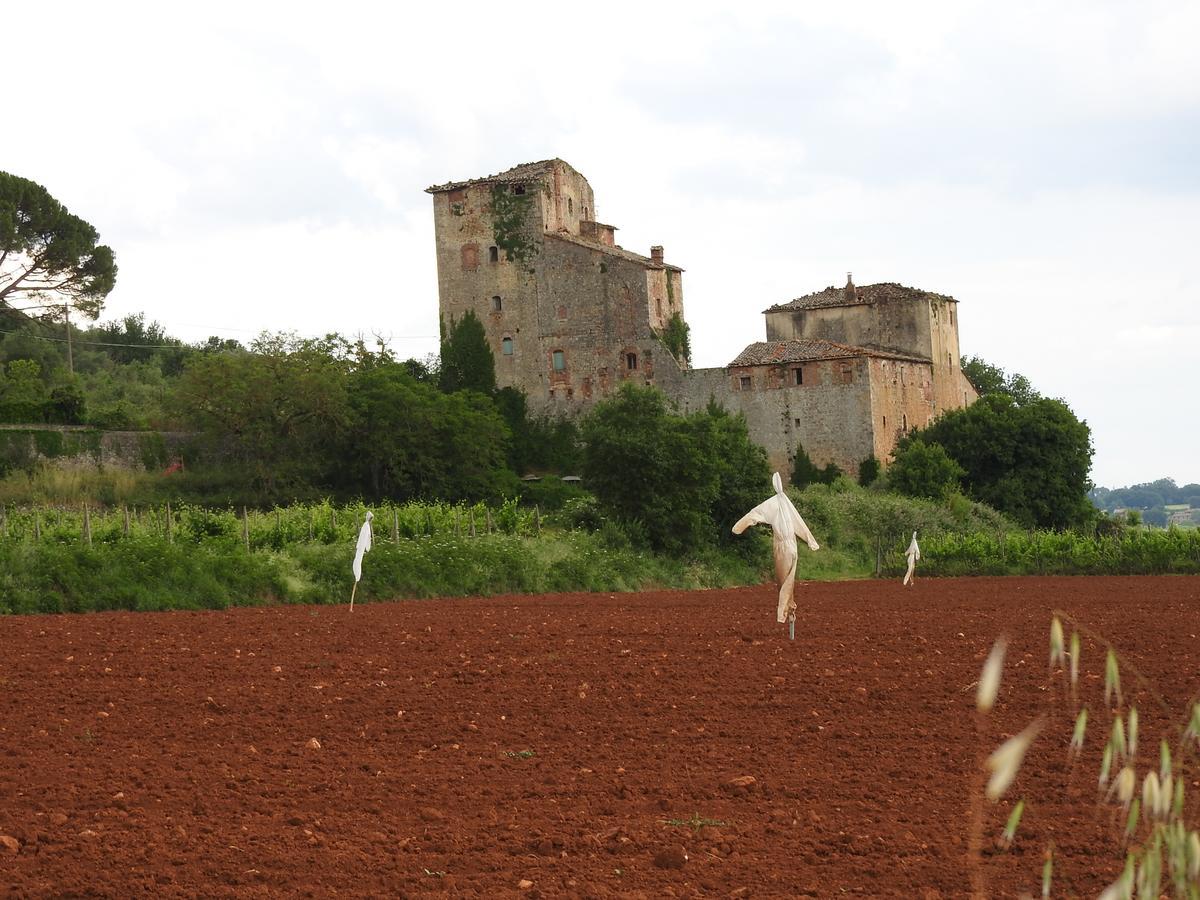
(570, 315)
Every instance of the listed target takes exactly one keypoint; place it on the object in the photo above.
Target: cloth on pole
(913, 553)
(786, 525)
(364, 544)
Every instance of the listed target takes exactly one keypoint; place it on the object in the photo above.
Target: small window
(497, 304)
(631, 361)
(885, 421)
(904, 423)
(797, 423)
(952, 318)
(506, 346)
(798, 375)
(518, 189)
(560, 361)
(744, 381)
(493, 254)
(570, 207)
(658, 305)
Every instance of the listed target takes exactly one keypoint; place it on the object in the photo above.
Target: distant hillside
(1160, 502)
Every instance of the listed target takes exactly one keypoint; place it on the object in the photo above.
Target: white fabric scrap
(364, 544)
(913, 553)
(786, 524)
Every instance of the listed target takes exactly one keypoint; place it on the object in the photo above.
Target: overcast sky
(260, 166)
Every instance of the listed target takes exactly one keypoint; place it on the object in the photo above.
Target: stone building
(570, 315)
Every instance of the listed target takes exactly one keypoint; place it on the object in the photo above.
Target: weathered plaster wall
(901, 400)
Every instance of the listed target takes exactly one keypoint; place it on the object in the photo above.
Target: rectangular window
(798, 375)
(493, 254)
(560, 361)
(570, 206)
(497, 304)
(631, 361)
(744, 381)
(506, 346)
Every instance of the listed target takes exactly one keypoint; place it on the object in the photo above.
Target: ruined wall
(568, 200)
(474, 270)
(75, 446)
(830, 413)
(901, 400)
(593, 309)
(947, 370)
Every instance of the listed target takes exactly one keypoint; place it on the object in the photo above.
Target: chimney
(850, 292)
(656, 254)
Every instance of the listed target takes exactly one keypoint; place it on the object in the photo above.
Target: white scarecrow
(913, 553)
(364, 544)
(780, 513)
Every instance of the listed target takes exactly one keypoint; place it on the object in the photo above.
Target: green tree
(804, 470)
(407, 440)
(467, 362)
(990, 379)
(277, 410)
(1028, 460)
(924, 470)
(868, 471)
(49, 257)
(677, 338)
(678, 478)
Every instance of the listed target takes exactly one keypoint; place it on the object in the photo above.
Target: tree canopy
(1028, 460)
(681, 481)
(48, 257)
(990, 379)
(467, 362)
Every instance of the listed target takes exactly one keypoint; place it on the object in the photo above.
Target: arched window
(497, 304)
(506, 346)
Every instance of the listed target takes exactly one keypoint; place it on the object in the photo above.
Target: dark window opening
(798, 374)
(631, 361)
(506, 346)
(497, 304)
(570, 206)
(904, 423)
(493, 254)
(885, 421)
(518, 189)
(658, 304)
(744, 381)
(797, 423)
(560, 361)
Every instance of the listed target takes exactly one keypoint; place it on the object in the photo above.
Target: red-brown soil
(168, 754)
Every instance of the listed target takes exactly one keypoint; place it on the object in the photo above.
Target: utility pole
(67, 322)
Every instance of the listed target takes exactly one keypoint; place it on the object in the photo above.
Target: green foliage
(467, 362)
(868, 471)
(406, 439)
(510, 231)
(677, 337)
(679, 478)
(806, 472)
(990, 379)
(541, 444)
(1028, 460)
(49, 257)
(924, 470)
(273, 409)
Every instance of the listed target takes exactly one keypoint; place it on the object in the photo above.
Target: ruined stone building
(570, 315)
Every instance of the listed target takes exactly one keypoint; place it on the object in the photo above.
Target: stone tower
(568, 313)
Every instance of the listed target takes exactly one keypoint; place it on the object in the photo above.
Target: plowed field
(466, 747)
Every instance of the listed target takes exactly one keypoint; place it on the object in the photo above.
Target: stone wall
(69, 446)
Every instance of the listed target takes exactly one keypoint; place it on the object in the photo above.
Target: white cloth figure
(364, 544)
(913, 553)
(780, 513)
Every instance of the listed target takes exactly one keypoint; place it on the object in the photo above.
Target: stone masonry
(570, 315)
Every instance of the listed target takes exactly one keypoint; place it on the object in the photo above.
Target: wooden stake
(170, 539)
(791, 627)
(245, 530)
(352, 590)
(395, 526)
(457, 527)
(489, 520)
(537, 519)
(4, 520)
(37, 525)
(125, 511)
(87, 525)
(471, 532)
(310, 526)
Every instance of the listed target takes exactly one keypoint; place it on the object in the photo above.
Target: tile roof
(766, 353)
(612, 251)
(523, 172)
(871, 293)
